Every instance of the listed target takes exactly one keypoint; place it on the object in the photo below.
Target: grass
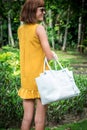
(74, 61)
(72, 56)
(82, 125)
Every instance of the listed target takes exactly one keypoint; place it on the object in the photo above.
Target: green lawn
(74, 60)
(72, 56)
(82, 125)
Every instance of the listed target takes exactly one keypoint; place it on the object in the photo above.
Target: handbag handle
(55, 61)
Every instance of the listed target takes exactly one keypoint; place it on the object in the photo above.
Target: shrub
(10, 105)
(11, 110)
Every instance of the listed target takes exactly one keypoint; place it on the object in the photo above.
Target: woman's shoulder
(40, 28)
(20, 27)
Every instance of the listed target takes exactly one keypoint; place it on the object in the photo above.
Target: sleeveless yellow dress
(31, 60)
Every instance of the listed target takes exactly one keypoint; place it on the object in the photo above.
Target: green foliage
(82, 125)
(11, 110)
(58, 18)
(10, 105)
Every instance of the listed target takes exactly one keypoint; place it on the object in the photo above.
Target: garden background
(65, 22)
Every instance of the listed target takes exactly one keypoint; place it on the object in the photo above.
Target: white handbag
(54, 85)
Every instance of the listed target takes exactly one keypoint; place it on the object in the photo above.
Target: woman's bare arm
(40, 31)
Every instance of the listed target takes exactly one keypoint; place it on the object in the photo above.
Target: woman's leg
(28, 114)
(40, 115)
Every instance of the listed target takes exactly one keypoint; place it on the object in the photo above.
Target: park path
(80, 68)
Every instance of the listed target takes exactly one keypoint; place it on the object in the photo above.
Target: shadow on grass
(82, 125)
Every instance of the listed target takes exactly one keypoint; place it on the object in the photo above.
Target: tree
(65, 22)
(66, 30)
(81, 26)
(75, 20)
(10, 10)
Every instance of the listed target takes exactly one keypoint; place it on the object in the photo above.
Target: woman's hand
(55, 55)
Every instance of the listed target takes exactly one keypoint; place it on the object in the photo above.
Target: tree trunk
(10, 37)
(66, 31)
(79, 31)
(51, 26)
(59, 33)
(65, 39)
(80, 45)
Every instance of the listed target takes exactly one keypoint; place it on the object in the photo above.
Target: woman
(34, 47)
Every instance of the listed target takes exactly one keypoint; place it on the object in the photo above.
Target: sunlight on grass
(82, 125)
(73, 57)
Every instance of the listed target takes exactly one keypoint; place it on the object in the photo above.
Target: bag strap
(46, 63)
(55, 62)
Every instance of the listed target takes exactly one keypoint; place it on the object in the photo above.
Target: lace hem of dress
(28, 94)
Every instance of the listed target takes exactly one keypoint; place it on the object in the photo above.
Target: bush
(10, 105)
(11, 109)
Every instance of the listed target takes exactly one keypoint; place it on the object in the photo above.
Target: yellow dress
(31, 60)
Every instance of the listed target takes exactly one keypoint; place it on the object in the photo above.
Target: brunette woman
(34, 46)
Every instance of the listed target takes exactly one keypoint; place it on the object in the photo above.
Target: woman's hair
(28, 12)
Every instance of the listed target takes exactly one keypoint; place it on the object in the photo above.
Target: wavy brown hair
(28, 12)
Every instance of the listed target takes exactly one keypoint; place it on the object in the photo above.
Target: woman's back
(31, 60)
